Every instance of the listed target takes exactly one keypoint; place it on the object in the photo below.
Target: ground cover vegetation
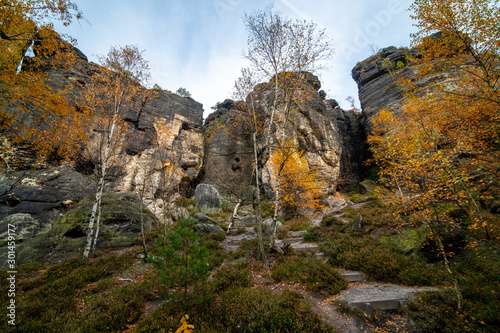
(433, 221)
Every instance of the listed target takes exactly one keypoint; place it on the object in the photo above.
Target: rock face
(377, 83)
(228, 161)
(377, 87)
(120, 228)
(45, 194)
(318, 127)
(207, 198)
(353, 142)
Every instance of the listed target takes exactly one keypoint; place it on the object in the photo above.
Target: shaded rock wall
(45, 193)
(331, 138)
(378, 88)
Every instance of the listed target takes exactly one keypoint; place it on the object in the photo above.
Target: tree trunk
(91, 237)
(256, 200)
(98, 223)
(278, 181)
(142, 231)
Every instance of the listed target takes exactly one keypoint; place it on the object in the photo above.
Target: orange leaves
(444, 145)
(43, 118)
(300, 187)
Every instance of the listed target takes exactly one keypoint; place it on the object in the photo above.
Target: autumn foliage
(444, 147)
(43, 114)
(301, 190)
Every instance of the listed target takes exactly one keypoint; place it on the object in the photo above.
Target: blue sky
(198, 44)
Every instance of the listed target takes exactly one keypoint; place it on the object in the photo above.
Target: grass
(238, 309)
(52, 299)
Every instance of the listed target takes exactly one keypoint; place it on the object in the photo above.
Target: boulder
(204, 219)
(246, 221)
(267, 226)
(120, 228)
(179, 213)
(366, 187)
(358, 223)
(23, 225)
(206, 228)
(207, 198)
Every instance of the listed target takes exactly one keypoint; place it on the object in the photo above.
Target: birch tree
(278, 48)
(124, 69)
(243, 91)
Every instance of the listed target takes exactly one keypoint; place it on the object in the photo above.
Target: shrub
(182, 258)
(311, 235)
(438, 312)
(316, 275)
(239, 310)
(381, 262)
(231, 276)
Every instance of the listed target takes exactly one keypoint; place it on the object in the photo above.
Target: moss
(406, 240)
(119, 228)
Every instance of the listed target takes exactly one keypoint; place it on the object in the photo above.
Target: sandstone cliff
(377, 78)
(331, 138)
(46, 193)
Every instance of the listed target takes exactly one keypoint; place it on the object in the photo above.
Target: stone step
(305, 247)
(293, 240)
(352, 276)
(371, 305)
(320, 255)
(294, 234)
(377, 296)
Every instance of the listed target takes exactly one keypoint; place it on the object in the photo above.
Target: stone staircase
(366, 296)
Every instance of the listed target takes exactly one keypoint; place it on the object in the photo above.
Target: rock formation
(377, 86)
(377, 78)
(46, 193)
(332, 139)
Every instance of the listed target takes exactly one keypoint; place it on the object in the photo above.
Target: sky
(199, 44)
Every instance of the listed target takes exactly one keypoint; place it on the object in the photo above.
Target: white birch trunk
(92, 236)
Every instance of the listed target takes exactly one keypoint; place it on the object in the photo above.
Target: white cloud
(198, 44)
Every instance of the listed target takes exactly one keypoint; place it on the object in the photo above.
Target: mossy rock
(406, 240)
(120, 228)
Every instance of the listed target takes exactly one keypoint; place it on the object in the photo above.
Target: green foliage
(183, 92)
(52, 300)
(240, 310)
(311, 235)
(232, 276)
(216, 106)
(316, 275)
(380, 261)
(330, 220)
(156, 86)
(478, 274)
(400, 65)
(182, 257)
(215, 252)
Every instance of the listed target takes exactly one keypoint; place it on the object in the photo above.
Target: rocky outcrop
(377, 86)
(353, 142)
(377, 79)
(228, 161)
(317, 126)
(46, 193)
